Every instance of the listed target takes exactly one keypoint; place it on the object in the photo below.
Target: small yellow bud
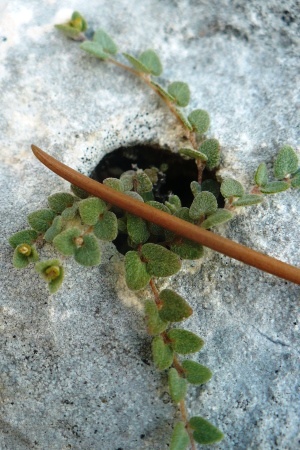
(79, 241)
(52, 272)
(25, 249)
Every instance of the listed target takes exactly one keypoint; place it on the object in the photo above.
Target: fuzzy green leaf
(295, 181)
(134, 195)
(231, 188)
(70, 213)
(192, 153)
(60, 201)
(211, 148)
(155, 325)
(65, 243)
(151, 60)
(180, 438)
(114, 183)
(90, 209)
(138, 65)
(184, 341)
(211, 186)
(81, 193)
(106, 228)
(261, 175)
(88, 253)
(185, 121)
(23, 237)
(41, 220)
(94, 49)
(174, 308)
(105, 41)
(177, 385)
(142, 182)
(54, 230)
(160, 262)
(205, 203)
(181, 213)
(196, 373)
(52, 272)
(186, 249)
(274, 186)
(181, 92)
(69, 31)
(173, 203)
(200, 121)
(152, 227)
(286, 162)
(136, 275)
(162, 353)
(137, 229)
(248, 199)
(163, 92)
(205, 432)
(127, 180)
(220, 216)
(195, 188)
(20, 260)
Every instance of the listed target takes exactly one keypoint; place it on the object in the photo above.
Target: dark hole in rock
(175, 180)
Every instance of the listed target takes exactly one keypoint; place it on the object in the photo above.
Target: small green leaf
(184, 341)
(220, 216)
(78, 21)
(205, 432)
(126, 180)
(60, 201)
(152, 227)
(181, 92)
(231, 188)
(211, 148)
(286, 162)
(105, 41)
(160, 262)
(174, 308)
(88, 253)
(295, 181)
(54, 230)
(184, 119)
(195, 188)
(211, 186)
(137, 229)
(65, 243)
(22, 258)
(70, 213)
(69, 31)
(52, 272)
(248, 199)
(173, 203)
(186, 249)
(90, 209)
(155, 325)
(136, 275)
(162, 353)
(274, 186)
(142, 182)
(114, 183)
(192, 153)
(181, 213)
(180, 438)
(134, 195)
(94, 49)
(81, 193)
(200, 121)
(163, 92)
(138, 65)
(41, 220)
(151, 60)
(177, 385)
(106, 228)
(261, 175)
(23, 237)
(196, 373)
(204, 204)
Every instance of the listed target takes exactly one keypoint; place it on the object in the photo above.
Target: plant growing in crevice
(75, 224)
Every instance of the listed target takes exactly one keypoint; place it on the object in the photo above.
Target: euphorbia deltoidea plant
(75, 223)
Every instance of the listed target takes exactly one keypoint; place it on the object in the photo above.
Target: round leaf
(286, 162)
(211, 148)
(64, 242)
(152, 227)
(205, 432)
(137, 229)
(60, 201)
(199, 119)
(136, 275)
(261, 175)
(54, 230)
(177, 385)
(94, 49)
(41, 220)
(205, 203)
(106, 228)
(184, 341)
(180, 438)
(79, 192)
(160, 262)
(181, 92)
(151, 60)
(90, 209)
(186, 249)
(88, 254)
(231, 188)
(114, 183)
(105, 41)
(162, 353)
(195, 373)
(155, 325)
(174, 307)
(138, 65)
(23, 237)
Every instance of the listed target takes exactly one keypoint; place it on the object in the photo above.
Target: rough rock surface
(76, 369)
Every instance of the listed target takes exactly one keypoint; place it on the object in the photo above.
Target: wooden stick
(169, 222)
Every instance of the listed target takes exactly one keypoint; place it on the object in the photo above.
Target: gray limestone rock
(76, 368)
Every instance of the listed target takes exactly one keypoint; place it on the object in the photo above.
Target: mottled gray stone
(76, 369)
